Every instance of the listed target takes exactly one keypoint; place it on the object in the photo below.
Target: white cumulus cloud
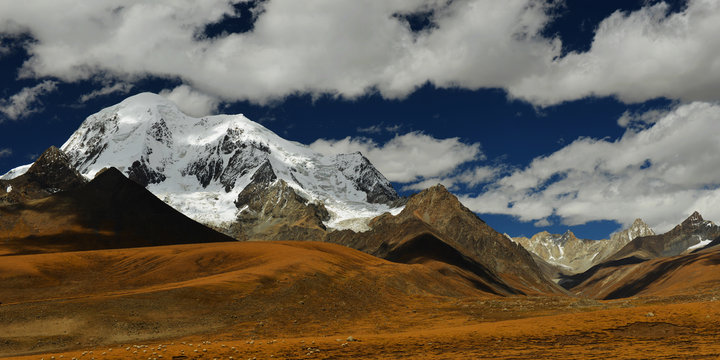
(661, 173)
(407, 158)
(468, 178)
(351, 48)
(120, 87)
(5, 152)
(190, 101)
(343, 47)
(638, 56)
(27, 101)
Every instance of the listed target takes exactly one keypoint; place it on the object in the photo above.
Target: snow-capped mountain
(577, 255)
(200, 165)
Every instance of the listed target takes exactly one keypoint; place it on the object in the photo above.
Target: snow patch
(15, 172)
(355, 216)
(9, 189)
(701, 244)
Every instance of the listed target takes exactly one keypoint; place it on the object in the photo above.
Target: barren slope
(53, 301)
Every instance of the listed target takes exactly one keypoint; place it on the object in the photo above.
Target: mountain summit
(201, 165)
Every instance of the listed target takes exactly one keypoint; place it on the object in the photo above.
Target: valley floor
(676, 331)
(279, 300)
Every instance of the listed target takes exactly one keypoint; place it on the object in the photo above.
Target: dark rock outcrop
(51, 173)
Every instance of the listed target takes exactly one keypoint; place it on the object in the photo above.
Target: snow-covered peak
(200, 165)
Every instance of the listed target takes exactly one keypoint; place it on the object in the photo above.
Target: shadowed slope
(109, 212)
(429, 250)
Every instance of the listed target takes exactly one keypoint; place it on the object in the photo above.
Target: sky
(538, 115)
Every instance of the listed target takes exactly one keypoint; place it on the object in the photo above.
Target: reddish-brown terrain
(694, 273)
(297, 300)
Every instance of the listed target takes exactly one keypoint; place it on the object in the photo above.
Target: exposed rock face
(693, 233)
(51, 173)
(358, 169)
(272, 210)
(571, 255)
(108, 212)
(436, 212)
(638, 229)
(140, 173)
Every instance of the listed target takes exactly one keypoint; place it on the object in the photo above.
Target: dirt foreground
(676, 331)
(317, 301)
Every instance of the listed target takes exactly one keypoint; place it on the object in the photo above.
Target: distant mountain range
(570, 255)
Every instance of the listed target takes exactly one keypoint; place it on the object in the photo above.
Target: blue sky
(539, 115)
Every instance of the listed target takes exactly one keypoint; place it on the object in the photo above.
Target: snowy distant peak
(568, 236)
(200, 165)
(545, 237)
(691, 234)
(13, 173)
(578, 255)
